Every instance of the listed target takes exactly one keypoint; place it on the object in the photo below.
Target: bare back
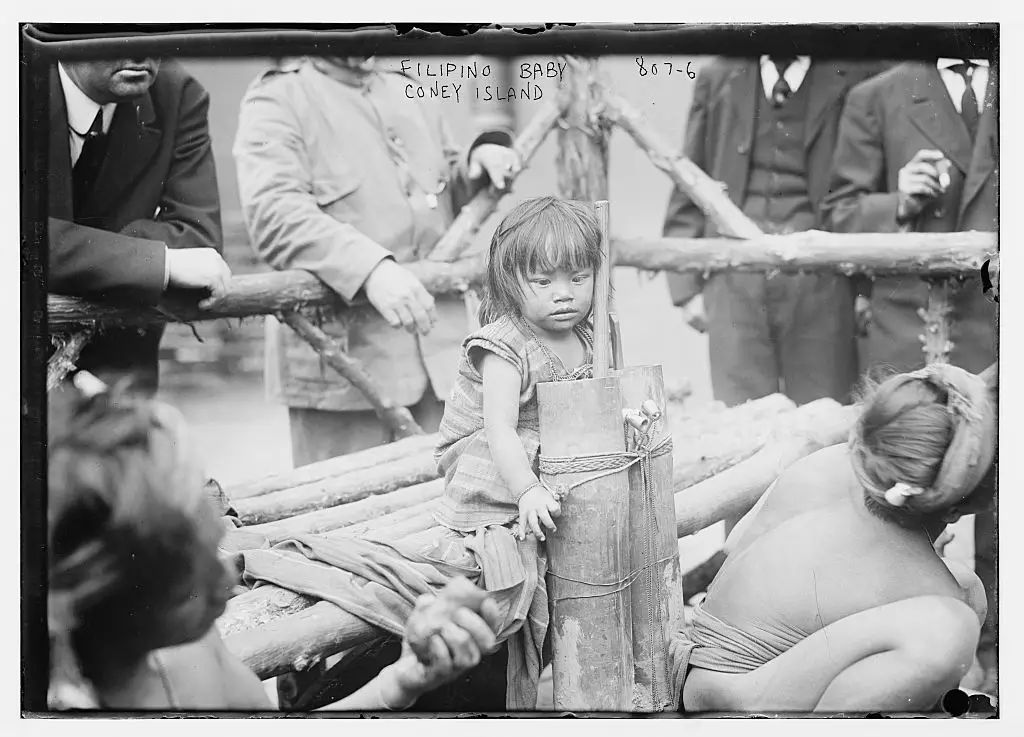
(814, 554)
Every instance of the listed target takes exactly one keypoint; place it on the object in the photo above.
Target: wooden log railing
(874, 253)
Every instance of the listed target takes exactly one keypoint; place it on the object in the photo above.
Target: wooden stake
(63, 361)
(589, 555)
(656, 594)
(602, 294)
(398, 419)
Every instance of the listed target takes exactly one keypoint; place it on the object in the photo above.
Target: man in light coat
(341, 174)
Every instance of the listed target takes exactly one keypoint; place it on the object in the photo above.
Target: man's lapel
(61, 203)
(986, 143)
(828, 81)
(133, 139)
(931, 111)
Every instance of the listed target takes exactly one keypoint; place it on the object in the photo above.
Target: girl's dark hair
(539, 235)
(124, 548)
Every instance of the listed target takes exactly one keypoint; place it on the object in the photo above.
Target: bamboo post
(656, 594)
(602, 294)
(589, 555)
(398, 419)
(64, 359)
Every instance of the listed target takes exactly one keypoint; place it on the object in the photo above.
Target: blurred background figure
(133, 200)
(917, 151)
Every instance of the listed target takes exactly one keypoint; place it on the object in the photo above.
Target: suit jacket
(334, 177)
(719, 137)
(157, 187)
(887, 120)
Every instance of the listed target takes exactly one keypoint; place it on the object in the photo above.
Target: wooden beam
(873, 253)
(398, 419)
(815, 250)
(709, 195)
(251, 294)
(459, 235)
(582, 160)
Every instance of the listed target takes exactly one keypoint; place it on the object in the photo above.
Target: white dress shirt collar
(794, 75)
(947, 63)
(80, 107)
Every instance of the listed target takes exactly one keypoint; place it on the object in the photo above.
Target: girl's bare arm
(501, 418)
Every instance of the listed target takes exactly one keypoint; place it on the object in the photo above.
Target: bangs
(541, 235)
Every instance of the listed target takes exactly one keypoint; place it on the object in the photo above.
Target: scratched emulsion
(567, 667)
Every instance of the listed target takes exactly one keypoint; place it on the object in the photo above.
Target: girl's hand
(537, 507)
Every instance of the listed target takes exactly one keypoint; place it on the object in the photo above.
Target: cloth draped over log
(379, 581)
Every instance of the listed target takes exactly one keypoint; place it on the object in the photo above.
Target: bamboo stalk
(333, 467)
(397, 418)
(702, 189)
(459, 235)
(338, 490)
(64, 359)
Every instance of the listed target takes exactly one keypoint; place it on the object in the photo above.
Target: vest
(776, 197)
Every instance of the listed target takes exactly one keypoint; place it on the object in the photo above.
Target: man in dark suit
(766, 129)
(133, 199)
(917, 151)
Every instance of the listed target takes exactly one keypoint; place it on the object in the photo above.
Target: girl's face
(557, 301)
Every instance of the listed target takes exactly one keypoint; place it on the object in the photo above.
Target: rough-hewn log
(395, 417)
(64, 359)
(814, 250)
(709, 195)
(333, 467)
(392, 526)
(251, 294)
(349, 514)
(338, 490)
(874, 253)
(733, 492)
(582, 159)
(935, 340)
(459, 235)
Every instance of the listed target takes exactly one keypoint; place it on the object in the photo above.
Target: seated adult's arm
(684, 218)
(275, 183)
(189, 215)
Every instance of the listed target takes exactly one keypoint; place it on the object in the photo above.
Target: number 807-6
(667, 68)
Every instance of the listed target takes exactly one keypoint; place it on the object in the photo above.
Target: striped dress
(475, 493)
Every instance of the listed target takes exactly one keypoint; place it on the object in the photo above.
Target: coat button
(743, 149)
(939, 212)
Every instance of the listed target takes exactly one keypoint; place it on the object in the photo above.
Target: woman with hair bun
(832, 597)
(136, 583)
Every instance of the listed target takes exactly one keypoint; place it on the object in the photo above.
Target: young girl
(539, 292)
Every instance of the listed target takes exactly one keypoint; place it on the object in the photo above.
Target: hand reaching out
(446, 635)
(537, 507)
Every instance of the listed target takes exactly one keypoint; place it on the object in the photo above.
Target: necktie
(94, 148)
(781, 90)
(969, 101)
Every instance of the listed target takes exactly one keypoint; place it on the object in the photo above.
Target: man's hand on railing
(400, 298)
(198, 268)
